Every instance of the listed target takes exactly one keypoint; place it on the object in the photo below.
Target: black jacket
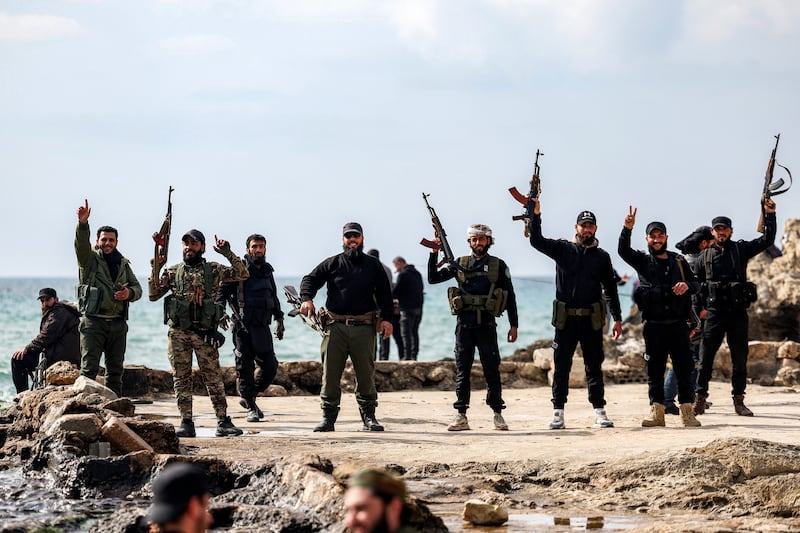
(259, 292)
(582, 273)
(354, 285)
(58, 335)
(409, 288)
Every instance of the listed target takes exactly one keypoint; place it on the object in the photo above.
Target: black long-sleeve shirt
(354, 285)
(723, 259)
(409, 289)
(582, 272)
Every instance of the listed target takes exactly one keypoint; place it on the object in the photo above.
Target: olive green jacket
(93, 270)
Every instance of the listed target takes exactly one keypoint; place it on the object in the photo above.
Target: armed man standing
(484, 292)
(355, 282)
(583, 272)
(255, 301)
(193, 315)
(107, 287)
(722, 269)
(664, 297)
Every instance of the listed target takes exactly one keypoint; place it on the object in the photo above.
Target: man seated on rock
(376, 501)
(58, 339)
(180, 500)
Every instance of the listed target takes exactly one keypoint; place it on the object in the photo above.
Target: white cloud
(196, 44)
(34, 27)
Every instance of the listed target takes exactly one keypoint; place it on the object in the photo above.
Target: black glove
(213, 338)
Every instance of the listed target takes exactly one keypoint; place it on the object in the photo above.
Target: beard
(257, 261)
(482, 252)
(353, 253)
(194, 259)
(659, 251)
(585, 240)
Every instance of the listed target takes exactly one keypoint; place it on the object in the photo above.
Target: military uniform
(192, 316)
(104, 327)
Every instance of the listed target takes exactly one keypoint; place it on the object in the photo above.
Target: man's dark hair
(107, 229)
(255, 237)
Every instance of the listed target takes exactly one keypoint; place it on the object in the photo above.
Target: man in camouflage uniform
(192, 316)
(107, 286)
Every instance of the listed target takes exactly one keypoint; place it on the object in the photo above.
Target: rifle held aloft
(161, 239)
(772, 188)
(535, 190)
(438, 231)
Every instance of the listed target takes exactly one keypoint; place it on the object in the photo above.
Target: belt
(579, 311)
(105, 318)
(367, 319)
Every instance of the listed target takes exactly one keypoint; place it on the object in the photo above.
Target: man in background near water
(58, 339)
(193, 315)
(583, 274)
(256, 302)
(181, 495)
(355, 282)
(375, 502)
(727, 294)
(409, 294)
(384, 345)
(665, 298)
(484, 292)
(107, 287)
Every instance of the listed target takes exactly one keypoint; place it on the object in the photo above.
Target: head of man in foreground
(181, 495)
(375, 502)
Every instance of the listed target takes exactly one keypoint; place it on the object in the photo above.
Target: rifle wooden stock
(161, 240)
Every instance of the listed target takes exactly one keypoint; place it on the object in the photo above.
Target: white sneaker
(558, 419)
(459, 423)
(601, 419)
(499, 422)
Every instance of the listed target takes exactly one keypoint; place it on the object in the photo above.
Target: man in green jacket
(107, 286)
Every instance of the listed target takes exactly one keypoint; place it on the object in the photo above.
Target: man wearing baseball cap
(664, 297)
(583, 274)
(58, 339)
(181, 495)
(355, 282)
(722, 269)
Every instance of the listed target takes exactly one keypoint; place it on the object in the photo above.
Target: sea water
(20, 315)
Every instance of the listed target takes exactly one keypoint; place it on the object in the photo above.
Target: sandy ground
(416, 424)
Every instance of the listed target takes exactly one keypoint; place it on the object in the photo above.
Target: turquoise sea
(147, 336)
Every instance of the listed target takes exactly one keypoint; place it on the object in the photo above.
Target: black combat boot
(370, 422)
(186, 429)
(329, 415)
(225, 428)
(699, 406)
(739, 406)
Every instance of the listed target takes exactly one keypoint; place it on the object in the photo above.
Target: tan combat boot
(656, 417)
(699, 406)
(687, 416)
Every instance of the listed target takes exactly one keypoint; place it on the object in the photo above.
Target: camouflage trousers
(180, 345)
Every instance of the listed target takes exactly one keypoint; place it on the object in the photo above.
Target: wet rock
(62, 373)
(160, 435)
(481, 513)
(113, 477)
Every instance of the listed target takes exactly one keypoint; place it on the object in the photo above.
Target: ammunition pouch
(182, 314)
(598, 316)
(736, 294)
(596, 313)
(495, 303)
(454, 297)
(559, 314)
(88, 298)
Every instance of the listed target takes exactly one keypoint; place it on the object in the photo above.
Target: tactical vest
(494, 302)
(654, 295)
(180, 313)
(728, 294)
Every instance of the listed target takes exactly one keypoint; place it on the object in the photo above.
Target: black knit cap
(173, 488)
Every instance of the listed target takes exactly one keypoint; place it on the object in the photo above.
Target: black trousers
(578, 329)
(484, 338)
(409, 330)
(732, 324)
(256, 364)
(385, 344)
(20, 368)
(662, 340)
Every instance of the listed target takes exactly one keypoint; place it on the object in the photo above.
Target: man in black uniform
(355, 282)
(722, 269)
(409, 293)
(664, 297)
(484, 292)
(256, 302)
(583, 272)
(58, 339)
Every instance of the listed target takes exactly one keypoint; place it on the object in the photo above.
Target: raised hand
(83, 212)
(630, 218)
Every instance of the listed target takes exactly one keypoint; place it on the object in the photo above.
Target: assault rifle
(772, 189)
(161, 238)
(293, 298)
(236, 315)
(536, 189)
(438, 231)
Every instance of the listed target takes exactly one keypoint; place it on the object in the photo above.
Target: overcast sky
(290, 118)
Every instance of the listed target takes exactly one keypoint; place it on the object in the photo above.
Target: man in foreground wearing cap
(375, 501)
(58, 339)
(107, 286)
(256, 302)
(181, 496)
(583, 272)
(193, 315)
(356, 283)
(484, 292)
(722, 269)
(664, 297)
